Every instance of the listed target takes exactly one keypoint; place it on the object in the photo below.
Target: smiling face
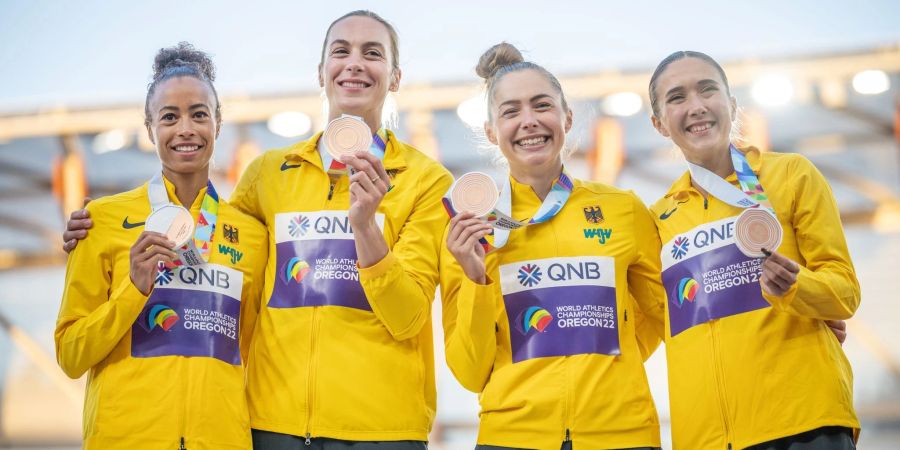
(528, 121)
(182, 124)
(357, 69)
(696, 110)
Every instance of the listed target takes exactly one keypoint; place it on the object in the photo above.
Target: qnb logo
(536, 318)
(680, 247)
(161, 316)
(687, 290)
(529, 275)
(299, 226)
(163, 275)
(295, 270)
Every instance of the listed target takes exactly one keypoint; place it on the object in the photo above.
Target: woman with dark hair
(163, 328)
(342, 355)
(754, 262)
(545, 326)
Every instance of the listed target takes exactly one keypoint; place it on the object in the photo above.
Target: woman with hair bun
(161, 326)
(756, 270)
(545, 326)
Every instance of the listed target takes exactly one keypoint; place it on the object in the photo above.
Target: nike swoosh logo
(285, 166)
(128, 225)
(665, 215)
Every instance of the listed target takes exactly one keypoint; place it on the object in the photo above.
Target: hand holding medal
(348, 140)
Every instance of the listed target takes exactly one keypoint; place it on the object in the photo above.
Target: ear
(150, 133)
(733, 102)
(660, 128)
(489, 132)
(321, 77)
(395, 80)
(218, 127)
(568, 120)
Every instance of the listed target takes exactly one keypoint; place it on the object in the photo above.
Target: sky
(91, 53)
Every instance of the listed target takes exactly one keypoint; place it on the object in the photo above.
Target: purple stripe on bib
(317, 273)
(716, 284)
(188, 323)
(562, 321)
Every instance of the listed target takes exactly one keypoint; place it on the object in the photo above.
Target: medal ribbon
(337, 168)
(205, 227)
(500, 218)
(751, 193)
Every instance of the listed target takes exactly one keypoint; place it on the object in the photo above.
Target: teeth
(353, 84)
(187, 148)
(532, 141)
(700, 128)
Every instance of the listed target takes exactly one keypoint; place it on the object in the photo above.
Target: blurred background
(818, 78)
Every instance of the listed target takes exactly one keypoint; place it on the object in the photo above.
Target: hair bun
(497, 57)
(181, 55)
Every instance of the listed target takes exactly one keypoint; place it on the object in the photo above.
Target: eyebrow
(194, 106)
(365, 44)
(704, 82)
(532, 99)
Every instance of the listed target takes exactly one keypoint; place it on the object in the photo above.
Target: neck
(539, 178)
(718, 162)
(187, 185)
(372, 119)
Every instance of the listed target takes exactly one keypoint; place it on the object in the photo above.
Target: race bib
(561, 306)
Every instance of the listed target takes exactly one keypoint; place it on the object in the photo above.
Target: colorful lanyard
(751, 193)
(337, 168)
(501, 217)
(205, 227)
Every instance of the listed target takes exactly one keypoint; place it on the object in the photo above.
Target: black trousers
(567, 445)
(825, 438)
(267, 440)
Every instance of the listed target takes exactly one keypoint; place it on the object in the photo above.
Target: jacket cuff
(378, 269)
(783, 302)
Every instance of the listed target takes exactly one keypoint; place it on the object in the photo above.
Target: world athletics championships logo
(295, 270)
(162, 316)
(680, 248)
(536, 318)
(299, 226)
(529, 275)
(163, 275)
(687, 290)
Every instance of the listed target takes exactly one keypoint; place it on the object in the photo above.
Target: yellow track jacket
(774, 370)
(550, 342)
(152, 386)
(341, 353)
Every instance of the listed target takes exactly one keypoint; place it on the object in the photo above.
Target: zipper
(308, 442)
(310, 379)
(568, 436)
(184, 404)
(720, 383)
(705, 202)
(182, 447)
(331, 183)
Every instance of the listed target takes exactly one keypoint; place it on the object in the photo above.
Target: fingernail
(766, 252)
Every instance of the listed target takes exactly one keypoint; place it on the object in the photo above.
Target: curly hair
(182, 60)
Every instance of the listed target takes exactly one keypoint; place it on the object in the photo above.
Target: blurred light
(871, 82)
(773, 90)
(110, 141)
(622, 104)
(473, 111)
(290, 124)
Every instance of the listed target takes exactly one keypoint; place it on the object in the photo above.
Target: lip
(710, 123)
(344, 83)
(174, 147)
(547, 140)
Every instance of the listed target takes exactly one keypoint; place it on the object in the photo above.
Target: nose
(695, 105)
(354, 63)
(186, 129)
(529, 118)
